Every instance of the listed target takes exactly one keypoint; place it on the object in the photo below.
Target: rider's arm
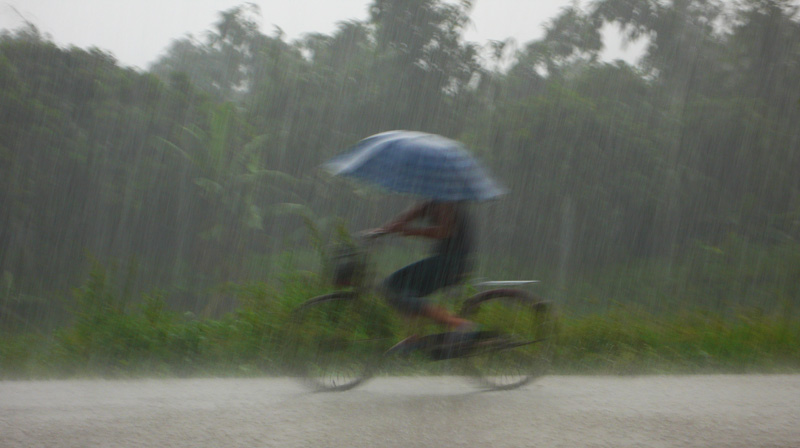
(443, 217)
(400, 222)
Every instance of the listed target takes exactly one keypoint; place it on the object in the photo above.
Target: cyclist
(449, 224)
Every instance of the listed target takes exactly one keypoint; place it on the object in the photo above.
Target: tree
(424, 60)
(572, 39)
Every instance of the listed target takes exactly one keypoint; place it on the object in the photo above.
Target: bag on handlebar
(348, 265)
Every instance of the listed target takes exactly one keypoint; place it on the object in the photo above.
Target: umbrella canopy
(422, 164)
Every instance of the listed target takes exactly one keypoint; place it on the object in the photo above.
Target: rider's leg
(441, 316)
(406, 289)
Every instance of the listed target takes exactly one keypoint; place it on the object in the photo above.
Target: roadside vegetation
(109, 335)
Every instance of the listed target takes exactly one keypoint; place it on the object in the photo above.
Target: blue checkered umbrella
(422, 164)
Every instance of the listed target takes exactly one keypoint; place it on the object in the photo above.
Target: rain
(167, 220)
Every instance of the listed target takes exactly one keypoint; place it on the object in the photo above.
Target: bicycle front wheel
(334, 343)
(521, 351)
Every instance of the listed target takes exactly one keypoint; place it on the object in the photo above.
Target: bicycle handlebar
(372, 234)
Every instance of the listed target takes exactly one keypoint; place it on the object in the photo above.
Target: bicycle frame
(365, 244)
(514, 317)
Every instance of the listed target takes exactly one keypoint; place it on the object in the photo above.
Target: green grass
(711, 313)
(686, 342)
(150, 340)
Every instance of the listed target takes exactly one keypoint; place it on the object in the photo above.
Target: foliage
(112, 337)
(629, 341)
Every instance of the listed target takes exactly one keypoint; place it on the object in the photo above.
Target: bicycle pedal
(452, 349)
(404, 348)
(443, 353)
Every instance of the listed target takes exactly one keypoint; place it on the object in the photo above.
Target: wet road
(652, 411)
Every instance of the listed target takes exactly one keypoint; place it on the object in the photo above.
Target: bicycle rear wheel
(334, 342)
(522, 349)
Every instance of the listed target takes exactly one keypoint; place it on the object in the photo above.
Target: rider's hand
(373, 233)
(393, 227)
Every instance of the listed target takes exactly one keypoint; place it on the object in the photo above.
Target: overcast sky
(136, 32)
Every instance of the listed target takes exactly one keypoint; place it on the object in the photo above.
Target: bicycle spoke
(334, 342)
(521, 352)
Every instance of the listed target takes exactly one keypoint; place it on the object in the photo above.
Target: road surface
(559, 411)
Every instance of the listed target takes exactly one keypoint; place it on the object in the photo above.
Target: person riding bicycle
(449, 224)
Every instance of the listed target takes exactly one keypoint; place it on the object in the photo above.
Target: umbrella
(423, 164)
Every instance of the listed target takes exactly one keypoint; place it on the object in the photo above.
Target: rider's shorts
(407, 287)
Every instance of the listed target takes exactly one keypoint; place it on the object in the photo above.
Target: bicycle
(339, 340)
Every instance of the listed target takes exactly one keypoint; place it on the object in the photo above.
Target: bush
(111, 334)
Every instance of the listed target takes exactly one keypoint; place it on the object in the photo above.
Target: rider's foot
(464, 333)
(404, 347)
(468, 327)
(457, 342)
